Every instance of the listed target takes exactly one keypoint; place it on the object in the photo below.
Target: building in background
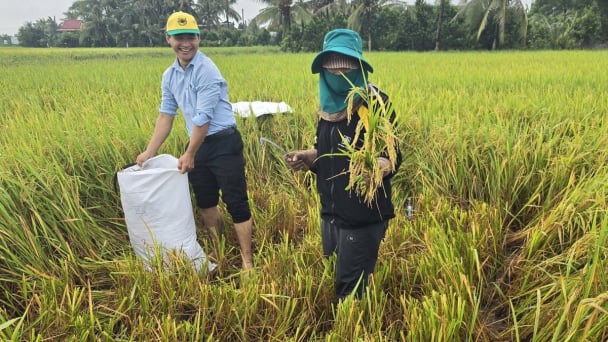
(71, 25)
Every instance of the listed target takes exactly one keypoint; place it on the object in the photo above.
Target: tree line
(385, 25)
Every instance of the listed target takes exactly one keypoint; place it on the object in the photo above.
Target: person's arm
(186, 161)
(208, 88)
(301, 160)
(163, 126)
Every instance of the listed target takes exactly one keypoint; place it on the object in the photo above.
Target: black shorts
(219, 165)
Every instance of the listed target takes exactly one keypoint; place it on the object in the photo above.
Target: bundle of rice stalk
(376, 126)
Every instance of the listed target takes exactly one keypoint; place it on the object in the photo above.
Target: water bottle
(409, 208)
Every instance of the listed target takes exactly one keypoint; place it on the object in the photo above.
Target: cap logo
(182, 21)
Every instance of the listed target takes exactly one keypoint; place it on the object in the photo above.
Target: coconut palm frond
(483, 14)
(356, 18)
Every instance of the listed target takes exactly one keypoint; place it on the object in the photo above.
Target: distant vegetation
(297, 26)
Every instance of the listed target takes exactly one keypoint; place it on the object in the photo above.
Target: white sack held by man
(158, 210)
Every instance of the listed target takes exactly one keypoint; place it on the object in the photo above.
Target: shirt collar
(196, 60)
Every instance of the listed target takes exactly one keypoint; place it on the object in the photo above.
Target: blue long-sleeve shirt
(200, 91)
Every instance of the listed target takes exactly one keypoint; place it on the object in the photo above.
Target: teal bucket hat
(342, 41)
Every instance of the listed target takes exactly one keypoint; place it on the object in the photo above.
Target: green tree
(586, 28)
(49, 27)
(423, 37)
(440, 17)
(318, 4)
(128, 32)
(555, 7)
(602, 6)
(153, 16)
(98, 17)
(229, 37)
(332, 8)
(389, 24)
(5, 39)
(122, 22)
(229, 12)
(568, 23)
(364, 14)
(42, 33)
(456, 32)
(489, 17)
(30, 35)
(209, 13)
(69, 39)
(280, 14)
(262, 37)
(323, 22)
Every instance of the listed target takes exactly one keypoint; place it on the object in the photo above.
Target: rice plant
(504, 158)
(376, 129)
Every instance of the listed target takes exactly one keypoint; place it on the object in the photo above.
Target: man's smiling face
(185, 46)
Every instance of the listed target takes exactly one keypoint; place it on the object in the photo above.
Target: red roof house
(71, 25)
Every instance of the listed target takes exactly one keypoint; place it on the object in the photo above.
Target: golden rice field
(505, 159)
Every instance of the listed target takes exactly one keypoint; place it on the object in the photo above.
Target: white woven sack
(158, 210)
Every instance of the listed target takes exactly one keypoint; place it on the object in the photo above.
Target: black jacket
(339, 204)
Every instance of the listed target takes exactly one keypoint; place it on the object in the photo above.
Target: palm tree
(331, 7)
(442, 5)
(154, 14)
(491, 15)
(361, 18)
(97, 14)
(230, 12)
(280, 14)
(209, 13)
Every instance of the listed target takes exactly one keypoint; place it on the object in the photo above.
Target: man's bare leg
(243, 233)
(212, 218)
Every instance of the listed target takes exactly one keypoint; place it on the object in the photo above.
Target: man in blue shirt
(214, 156)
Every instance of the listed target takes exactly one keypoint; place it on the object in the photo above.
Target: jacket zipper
(332, 186)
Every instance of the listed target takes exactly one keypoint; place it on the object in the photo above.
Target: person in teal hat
(350, 228)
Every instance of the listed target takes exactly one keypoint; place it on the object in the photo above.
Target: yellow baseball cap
(181, 22)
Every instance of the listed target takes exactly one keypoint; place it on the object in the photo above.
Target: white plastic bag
(158, 210)
(259, 108)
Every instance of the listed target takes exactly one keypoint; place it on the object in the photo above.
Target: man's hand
(142, 157)
(185, 163)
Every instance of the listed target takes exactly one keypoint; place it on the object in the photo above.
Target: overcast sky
(16, 13)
